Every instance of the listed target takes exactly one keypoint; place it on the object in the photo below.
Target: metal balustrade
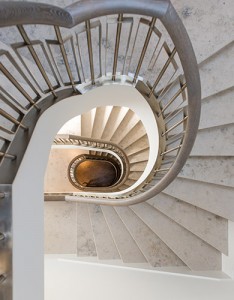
(84, 46)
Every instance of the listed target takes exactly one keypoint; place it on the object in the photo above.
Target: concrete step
(140, 144)
(105, 245)
(216, 109)
(85, 239)
(153, 248)
(197, 17)
(60, 227)
(213, 69)
(116, 117)
(135, 175)
(217, 170)
(194, 252)
(137, 132)
(87, 120)
(138, 166)
(128, 122)
(101, 117)
(203, 224)
(128, 249)
(139, 156)
(211, 197)
(129, 182)
(216, 141)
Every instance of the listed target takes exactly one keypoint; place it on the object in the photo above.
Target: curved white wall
(28, 243)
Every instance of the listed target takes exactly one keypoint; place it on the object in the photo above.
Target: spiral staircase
(171, 208)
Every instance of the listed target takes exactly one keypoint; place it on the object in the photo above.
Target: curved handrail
(100, 145)
(12, 13)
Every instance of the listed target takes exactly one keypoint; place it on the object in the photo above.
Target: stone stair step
(214, 141)
(139, 157)
(135, 175)
(60, 227)
(213, 198)
(213, 69)
(85, 239)
(203, 224)
(140, 144)
(87, 120)
(128, 122)
(105, 245)
(101, 117)
(127, 247)
(129, 182)
(213, 38)
(217, 110)
(137, 132)
(217, 170)
(194, 252)
(116, 117)
(153, 248)
(138, 166)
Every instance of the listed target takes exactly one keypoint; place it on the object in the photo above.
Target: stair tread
(214, 141)
(85, 238)
(194, 252)
(60, 228)
(156, 252)
(217, 110)
(128, 249)
(115, 118)
(128, 122)
(105, 245)
(212, 70)
(204, 224)
(216, 170)
(207, 196)
(87, 120)
(101, 117)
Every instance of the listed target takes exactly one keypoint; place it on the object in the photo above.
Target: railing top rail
(12, 12)
(91, 140)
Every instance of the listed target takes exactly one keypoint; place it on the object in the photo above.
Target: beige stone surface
(215, 141)
(127, 247)
(56, 177)
(213, 198)
(105, 245)
(217, 170)
(204, 224)
(154, 249)
(60, 227)
(85, 238)
(194, 252)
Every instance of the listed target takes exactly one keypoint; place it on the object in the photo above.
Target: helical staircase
(171, 206)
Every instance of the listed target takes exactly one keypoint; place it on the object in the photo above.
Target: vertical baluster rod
(147, 40)
(170, 58)
(90, 49)
(64, 55)
(36, 58)
(117, 42)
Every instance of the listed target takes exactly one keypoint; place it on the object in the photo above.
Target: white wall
(28, 244)
(89, 281)
(228, 261)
